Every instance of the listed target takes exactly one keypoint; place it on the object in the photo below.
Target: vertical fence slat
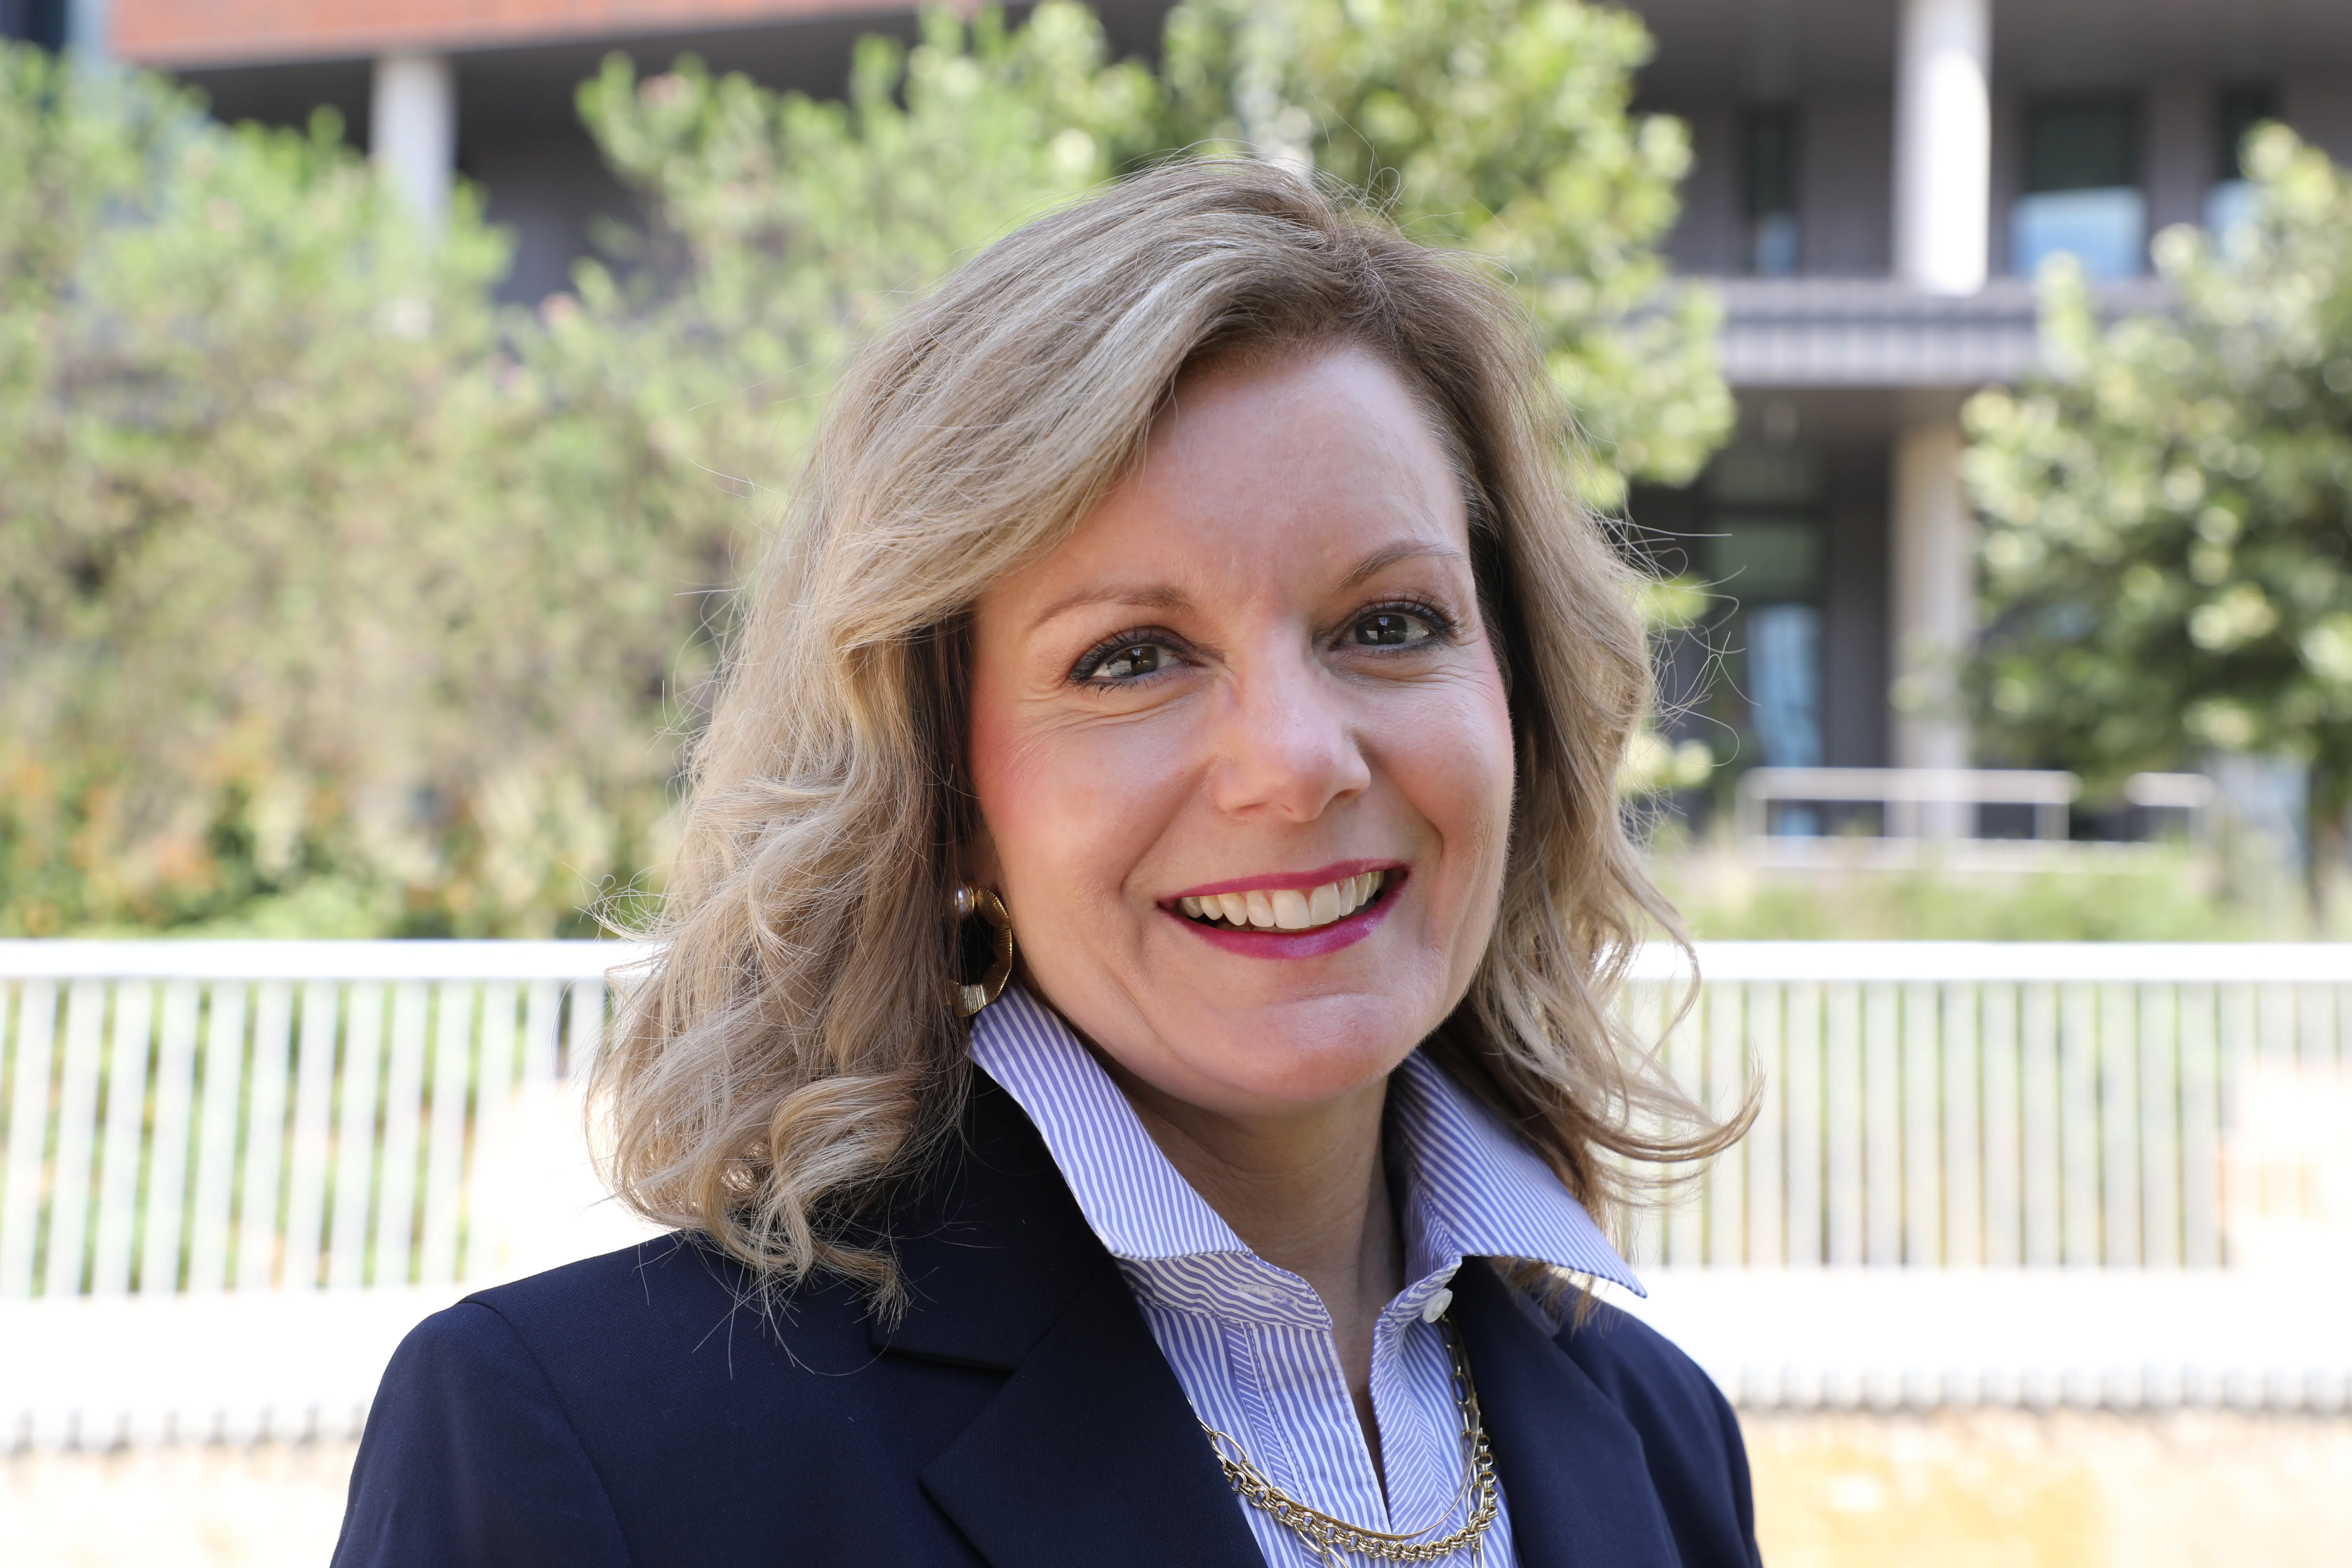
(314, 1094)
(2241, 1031)
(265, 1137)
(1963, 1167)
(1644, 1238)
(404, 1095)
(2274, 1024)
(2004, 1228)
(208, 1232)
(1685, 1226)
(1922, 1154)
(32, 1068)
(2160, 1126)
(2200, 1129)
(355, 1138)
(543, 1019)
(167, 1166)
(1844, 1118)
(2119, 1125)
(1767, 1191)
(1801, 1096)
(1882, 1090)
(68, 1236)
(487, 1231)
(2041, 1096)
(1726, 1033)
(585, 1038)
(2315, 1027)
(126, 1121)
(444, 1147)
(2078, 1122)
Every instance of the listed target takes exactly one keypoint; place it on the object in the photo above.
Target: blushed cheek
(1461, 773)
(1067, 812)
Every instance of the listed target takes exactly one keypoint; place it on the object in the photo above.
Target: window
(2231, 200)
(1768, 191)
(41, 22)
(2082, 189)
(1765, 558)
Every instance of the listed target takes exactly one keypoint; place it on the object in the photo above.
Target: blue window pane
(2229, 206)
(1784, 683)
(1772, 244)
(2106, 230)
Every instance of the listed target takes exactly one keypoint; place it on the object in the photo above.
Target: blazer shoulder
(1689, 1434)
(1631, 1361)
(661, 1274)
(673, 1311)
(471, 1457)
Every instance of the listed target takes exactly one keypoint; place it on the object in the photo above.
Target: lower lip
(1257, 943)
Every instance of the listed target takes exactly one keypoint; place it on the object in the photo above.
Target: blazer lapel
(1090, 1452)
(1091, 1455)
(1571, 1465)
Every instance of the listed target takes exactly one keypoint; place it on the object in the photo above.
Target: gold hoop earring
(983, 902)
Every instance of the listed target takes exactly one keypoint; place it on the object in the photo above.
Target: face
(1241, 747)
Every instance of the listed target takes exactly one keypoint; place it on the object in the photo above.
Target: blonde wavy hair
(792, 1057)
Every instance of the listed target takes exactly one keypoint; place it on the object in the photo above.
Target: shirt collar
(1471, 1189)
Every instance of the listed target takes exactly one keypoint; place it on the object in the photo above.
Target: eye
(1393, 627)
(1124, 661)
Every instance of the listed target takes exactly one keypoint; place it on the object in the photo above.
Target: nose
(1285, 748)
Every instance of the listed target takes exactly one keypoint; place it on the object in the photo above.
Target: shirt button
(1434, 1308)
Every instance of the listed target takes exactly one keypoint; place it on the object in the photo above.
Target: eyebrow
(1133, 598)
(1172, 599)
(1379, 561)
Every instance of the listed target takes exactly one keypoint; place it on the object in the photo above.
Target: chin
(1303, 1052)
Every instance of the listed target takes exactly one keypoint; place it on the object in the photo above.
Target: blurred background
(393, 391)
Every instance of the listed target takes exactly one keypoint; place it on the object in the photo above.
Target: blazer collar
(1571, 1465)
(1090, 1452)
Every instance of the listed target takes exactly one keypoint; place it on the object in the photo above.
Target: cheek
(1068, 809)
(1458, 766)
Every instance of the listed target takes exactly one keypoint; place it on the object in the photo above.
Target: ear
(977, 862)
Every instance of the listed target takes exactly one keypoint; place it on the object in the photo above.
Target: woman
(1132, 1070)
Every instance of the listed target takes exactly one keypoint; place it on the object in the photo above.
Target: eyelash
(1441, 631)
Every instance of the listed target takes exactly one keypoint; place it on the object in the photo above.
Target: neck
(1307, 1193)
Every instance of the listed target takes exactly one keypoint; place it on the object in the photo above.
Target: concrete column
(412, 129)
(1943, 145)
(1932, 566)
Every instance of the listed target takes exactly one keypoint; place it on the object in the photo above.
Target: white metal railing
(198, 1117)
(298, 1148)
(1962, 1105)
(1921, 808)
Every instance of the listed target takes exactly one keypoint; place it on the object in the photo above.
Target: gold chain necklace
(1327, 1535)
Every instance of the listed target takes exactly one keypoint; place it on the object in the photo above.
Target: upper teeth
(1288, 909)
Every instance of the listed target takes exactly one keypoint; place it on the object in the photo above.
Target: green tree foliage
(787, 228)
(1499, 126)
(2165, 559)
(288, 607)
(334, 600)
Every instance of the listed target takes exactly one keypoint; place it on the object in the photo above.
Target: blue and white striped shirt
(1250, 1342)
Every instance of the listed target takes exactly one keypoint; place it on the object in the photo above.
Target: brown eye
(1128, 662)
(1392, 628)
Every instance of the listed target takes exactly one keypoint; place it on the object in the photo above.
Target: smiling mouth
(1285, 909)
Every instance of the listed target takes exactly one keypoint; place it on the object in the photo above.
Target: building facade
(1874, 184)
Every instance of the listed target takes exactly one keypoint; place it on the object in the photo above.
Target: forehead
(1269, 473)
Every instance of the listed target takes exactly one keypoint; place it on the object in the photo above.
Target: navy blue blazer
(643, 1408)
